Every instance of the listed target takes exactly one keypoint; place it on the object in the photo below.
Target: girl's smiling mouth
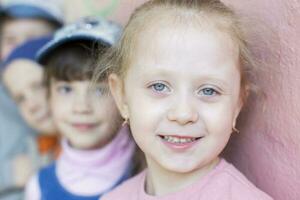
(179, 142)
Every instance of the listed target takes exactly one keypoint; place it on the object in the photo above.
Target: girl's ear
(237, 111)
(241, 103)
(116, 87)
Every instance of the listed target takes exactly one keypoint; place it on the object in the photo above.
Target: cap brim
(27, 11)
(49, 48)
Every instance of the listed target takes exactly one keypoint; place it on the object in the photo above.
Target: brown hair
(209, 12)
(74, 61)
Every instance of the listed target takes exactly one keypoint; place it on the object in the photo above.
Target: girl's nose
(183, 112)
(82, 105)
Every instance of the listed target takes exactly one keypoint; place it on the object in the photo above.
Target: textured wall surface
(267, 149)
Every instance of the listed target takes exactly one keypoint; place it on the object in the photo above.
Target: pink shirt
(224, 182)
(88, 173)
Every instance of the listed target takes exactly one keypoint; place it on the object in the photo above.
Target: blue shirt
(52, 189)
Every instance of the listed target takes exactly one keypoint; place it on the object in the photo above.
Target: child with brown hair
(96, 150)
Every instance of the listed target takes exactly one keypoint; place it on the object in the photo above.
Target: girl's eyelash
(209, 91)
(159, 87)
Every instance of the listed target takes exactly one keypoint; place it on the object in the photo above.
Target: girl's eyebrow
(213, 79)
(168, 73)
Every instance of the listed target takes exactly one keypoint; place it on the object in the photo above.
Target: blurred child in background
(25, 19)
(96, 150)
(23, 78)
(19, 21)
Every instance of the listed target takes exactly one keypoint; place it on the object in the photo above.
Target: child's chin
(179, 167)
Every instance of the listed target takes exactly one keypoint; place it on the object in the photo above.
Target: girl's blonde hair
(208, 12)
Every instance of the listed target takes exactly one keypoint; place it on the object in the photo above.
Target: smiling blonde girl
(180, 78)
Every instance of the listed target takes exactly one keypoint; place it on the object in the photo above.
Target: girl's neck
(160, 181)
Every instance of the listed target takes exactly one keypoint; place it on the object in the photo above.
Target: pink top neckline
(91, 172)
(198, 184)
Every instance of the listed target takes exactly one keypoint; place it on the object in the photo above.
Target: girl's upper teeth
(177, 139)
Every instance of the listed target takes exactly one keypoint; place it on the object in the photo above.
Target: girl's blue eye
(159, 87)
(208, 91)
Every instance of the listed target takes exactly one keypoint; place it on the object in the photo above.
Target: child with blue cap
(23, 79)
(96, 151)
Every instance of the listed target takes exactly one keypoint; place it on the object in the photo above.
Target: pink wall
(267, 150)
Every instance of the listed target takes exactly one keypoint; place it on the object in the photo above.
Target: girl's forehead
(164, 38)
(184, 41)
(180, 18)
(184, 32)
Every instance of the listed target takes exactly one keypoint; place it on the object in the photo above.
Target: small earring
(125, 122)
(235, 130)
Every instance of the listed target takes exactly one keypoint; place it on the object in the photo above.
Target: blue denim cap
(27, 50)
(49, 10)
(90, 29)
